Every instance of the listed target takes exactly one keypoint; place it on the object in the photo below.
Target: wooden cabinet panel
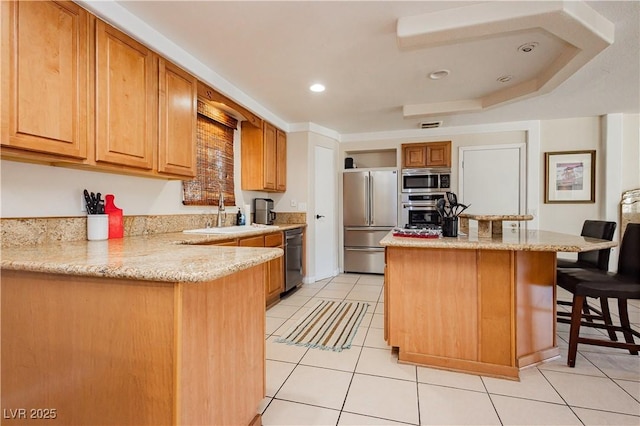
(431, 154)
(126, 99)
(274, 240)
(270, 156)
(438, 154)
(281, 155)
(414, 156)
(252, 241)
(263, 157)
(45, 77)
(275, 280)
(229, 243)
(177, 120)
(274, 284)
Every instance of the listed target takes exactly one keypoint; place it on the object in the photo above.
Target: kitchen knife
(89, 202)
(99, 204)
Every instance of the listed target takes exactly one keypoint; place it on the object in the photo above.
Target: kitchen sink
(230, 229)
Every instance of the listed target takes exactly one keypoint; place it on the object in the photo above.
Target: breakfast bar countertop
(512, 239)
(169, 257)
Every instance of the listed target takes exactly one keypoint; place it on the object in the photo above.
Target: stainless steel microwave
(426, 180)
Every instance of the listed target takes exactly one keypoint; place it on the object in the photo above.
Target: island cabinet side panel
(221, 368)
(440, 298)
(97, 351)
(536, 307)
(496, 315)
(435, 300)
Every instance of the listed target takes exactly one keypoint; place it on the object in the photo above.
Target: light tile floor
(365, 385)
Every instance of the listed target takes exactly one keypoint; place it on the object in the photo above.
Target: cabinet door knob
(318, 216)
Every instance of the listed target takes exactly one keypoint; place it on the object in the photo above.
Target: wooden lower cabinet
(228, 243)
(275, 270)
(110, 351)
(251, 241)
(274, 279)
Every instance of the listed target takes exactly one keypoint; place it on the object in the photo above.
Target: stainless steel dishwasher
(293, 258)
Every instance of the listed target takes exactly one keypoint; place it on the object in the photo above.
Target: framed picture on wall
(570, 177)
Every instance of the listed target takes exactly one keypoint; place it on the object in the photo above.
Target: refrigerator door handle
(367, 191)
(371, 203)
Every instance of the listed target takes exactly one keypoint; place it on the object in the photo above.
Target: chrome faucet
(220, 222)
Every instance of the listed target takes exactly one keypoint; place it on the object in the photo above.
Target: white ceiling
(273, 51)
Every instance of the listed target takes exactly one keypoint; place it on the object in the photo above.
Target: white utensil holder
(97, 227)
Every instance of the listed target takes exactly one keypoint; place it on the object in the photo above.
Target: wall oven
(419, 210)
(426, 180)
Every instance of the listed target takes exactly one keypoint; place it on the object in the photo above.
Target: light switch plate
(294, 203)
(302, 207)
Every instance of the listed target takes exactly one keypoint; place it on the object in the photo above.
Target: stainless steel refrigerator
(370, 211)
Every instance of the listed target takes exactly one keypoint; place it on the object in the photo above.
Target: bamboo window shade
(214, 153)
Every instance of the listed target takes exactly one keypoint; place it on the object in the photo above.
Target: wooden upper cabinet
(431, 154)
(263, 157)
(281, 154)
(270, 156)
(45, 77)
(177, 120)
(438, 154)
(126, 99)
(414, 156)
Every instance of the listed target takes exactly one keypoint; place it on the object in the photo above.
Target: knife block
(116, 221)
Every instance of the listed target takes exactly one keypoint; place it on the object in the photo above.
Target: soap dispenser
(240, 218)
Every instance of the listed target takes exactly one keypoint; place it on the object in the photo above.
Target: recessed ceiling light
(527, 47)
(504, 78)
(317, 87)
(437, 75)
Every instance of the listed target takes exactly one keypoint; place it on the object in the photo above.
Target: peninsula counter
(483, 305)
(148, 330)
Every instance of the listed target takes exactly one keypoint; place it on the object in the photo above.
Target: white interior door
(492, 179)
(325, 218)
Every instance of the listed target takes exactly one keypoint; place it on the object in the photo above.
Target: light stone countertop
(171, 257)
(512, 239)
(515, 217)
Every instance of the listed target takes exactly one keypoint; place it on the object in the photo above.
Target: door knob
(318, 216)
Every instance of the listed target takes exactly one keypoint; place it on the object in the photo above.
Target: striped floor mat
(328, 325)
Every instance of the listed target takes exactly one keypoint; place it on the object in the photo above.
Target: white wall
(297, 175)
(570, 135)
(631, 152)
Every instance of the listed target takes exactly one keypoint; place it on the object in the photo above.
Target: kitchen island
(483, 305)
(142, 330)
